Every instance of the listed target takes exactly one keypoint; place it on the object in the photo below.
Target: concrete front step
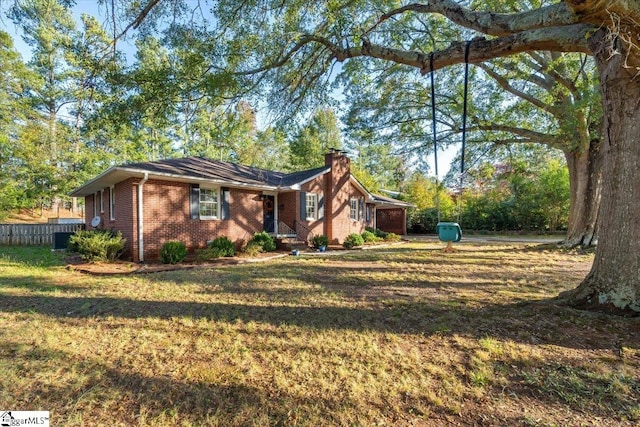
(289, 243)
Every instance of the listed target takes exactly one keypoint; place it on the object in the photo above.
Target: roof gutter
(141, 218)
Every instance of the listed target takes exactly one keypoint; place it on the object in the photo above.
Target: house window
(208, 203)
(353, 209)
(112, 202)
(312, 206)
(101, 201)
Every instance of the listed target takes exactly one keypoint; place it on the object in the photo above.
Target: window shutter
(303, 206)
(195, 201)
(360, 209)
(368, 212)
(320, 206)
(224, 196)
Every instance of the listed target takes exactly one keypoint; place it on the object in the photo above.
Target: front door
(269, 213)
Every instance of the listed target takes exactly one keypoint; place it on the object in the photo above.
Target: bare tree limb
(139, 19)
(527, 134)
(543, 66)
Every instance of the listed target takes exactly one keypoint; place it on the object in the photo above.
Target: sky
(90, 7)
(93, 8)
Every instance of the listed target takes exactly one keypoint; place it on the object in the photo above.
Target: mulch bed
(74, 262)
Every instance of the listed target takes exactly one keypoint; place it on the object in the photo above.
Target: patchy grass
(404, 335)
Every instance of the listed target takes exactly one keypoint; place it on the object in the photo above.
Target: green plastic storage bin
(449, 231)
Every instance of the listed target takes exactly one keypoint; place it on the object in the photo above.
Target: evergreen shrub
(97, 245)
(320, 240)
(224, 246)
(253, 249)
(265, 241)
(370, 237)
(353, 239)
(173, 252)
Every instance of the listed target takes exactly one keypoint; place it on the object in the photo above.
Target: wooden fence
(33, 234)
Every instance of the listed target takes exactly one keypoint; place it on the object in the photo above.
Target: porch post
(275, 214)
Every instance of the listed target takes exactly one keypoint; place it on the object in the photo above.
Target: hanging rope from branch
(433, 131)
(464, 110)
(464, 125)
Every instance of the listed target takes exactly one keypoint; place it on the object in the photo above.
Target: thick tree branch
(489, 23)
(571, 38)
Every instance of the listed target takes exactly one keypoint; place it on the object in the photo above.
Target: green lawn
(403, 335)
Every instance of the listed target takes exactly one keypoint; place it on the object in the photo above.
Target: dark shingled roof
(390, 200)
(200, 167)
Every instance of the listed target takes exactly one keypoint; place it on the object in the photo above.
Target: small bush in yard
(208, 254)
(353, 239)
(370, 237)
(225, 246)
(97, 245)
(320, 240)
(377, 232)
(392, 237)
(264, 240)
(253, 249)
(173, 252)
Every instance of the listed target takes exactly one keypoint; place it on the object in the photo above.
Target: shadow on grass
(373, 276)
(361, 291)
(129, 398)
(37, 284)
(539, 323)
(126, 397)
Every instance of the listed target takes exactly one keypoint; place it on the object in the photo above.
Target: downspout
(141, 219)
(375, 216)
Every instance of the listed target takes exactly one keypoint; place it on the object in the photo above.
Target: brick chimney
(337, 194)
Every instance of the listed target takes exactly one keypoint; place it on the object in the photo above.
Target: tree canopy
(291, 48)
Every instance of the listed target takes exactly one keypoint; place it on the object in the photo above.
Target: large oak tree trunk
(585, 180)
(614, 281)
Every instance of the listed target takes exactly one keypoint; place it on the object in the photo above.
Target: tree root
(581, 299)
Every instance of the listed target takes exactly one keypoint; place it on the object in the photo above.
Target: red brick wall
(167, 217)
(338, 192)
(88, 210)
(288, 208)
(359, 225)
(315, 186)
(125, 218)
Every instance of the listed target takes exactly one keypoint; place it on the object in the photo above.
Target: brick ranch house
(195, 200)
